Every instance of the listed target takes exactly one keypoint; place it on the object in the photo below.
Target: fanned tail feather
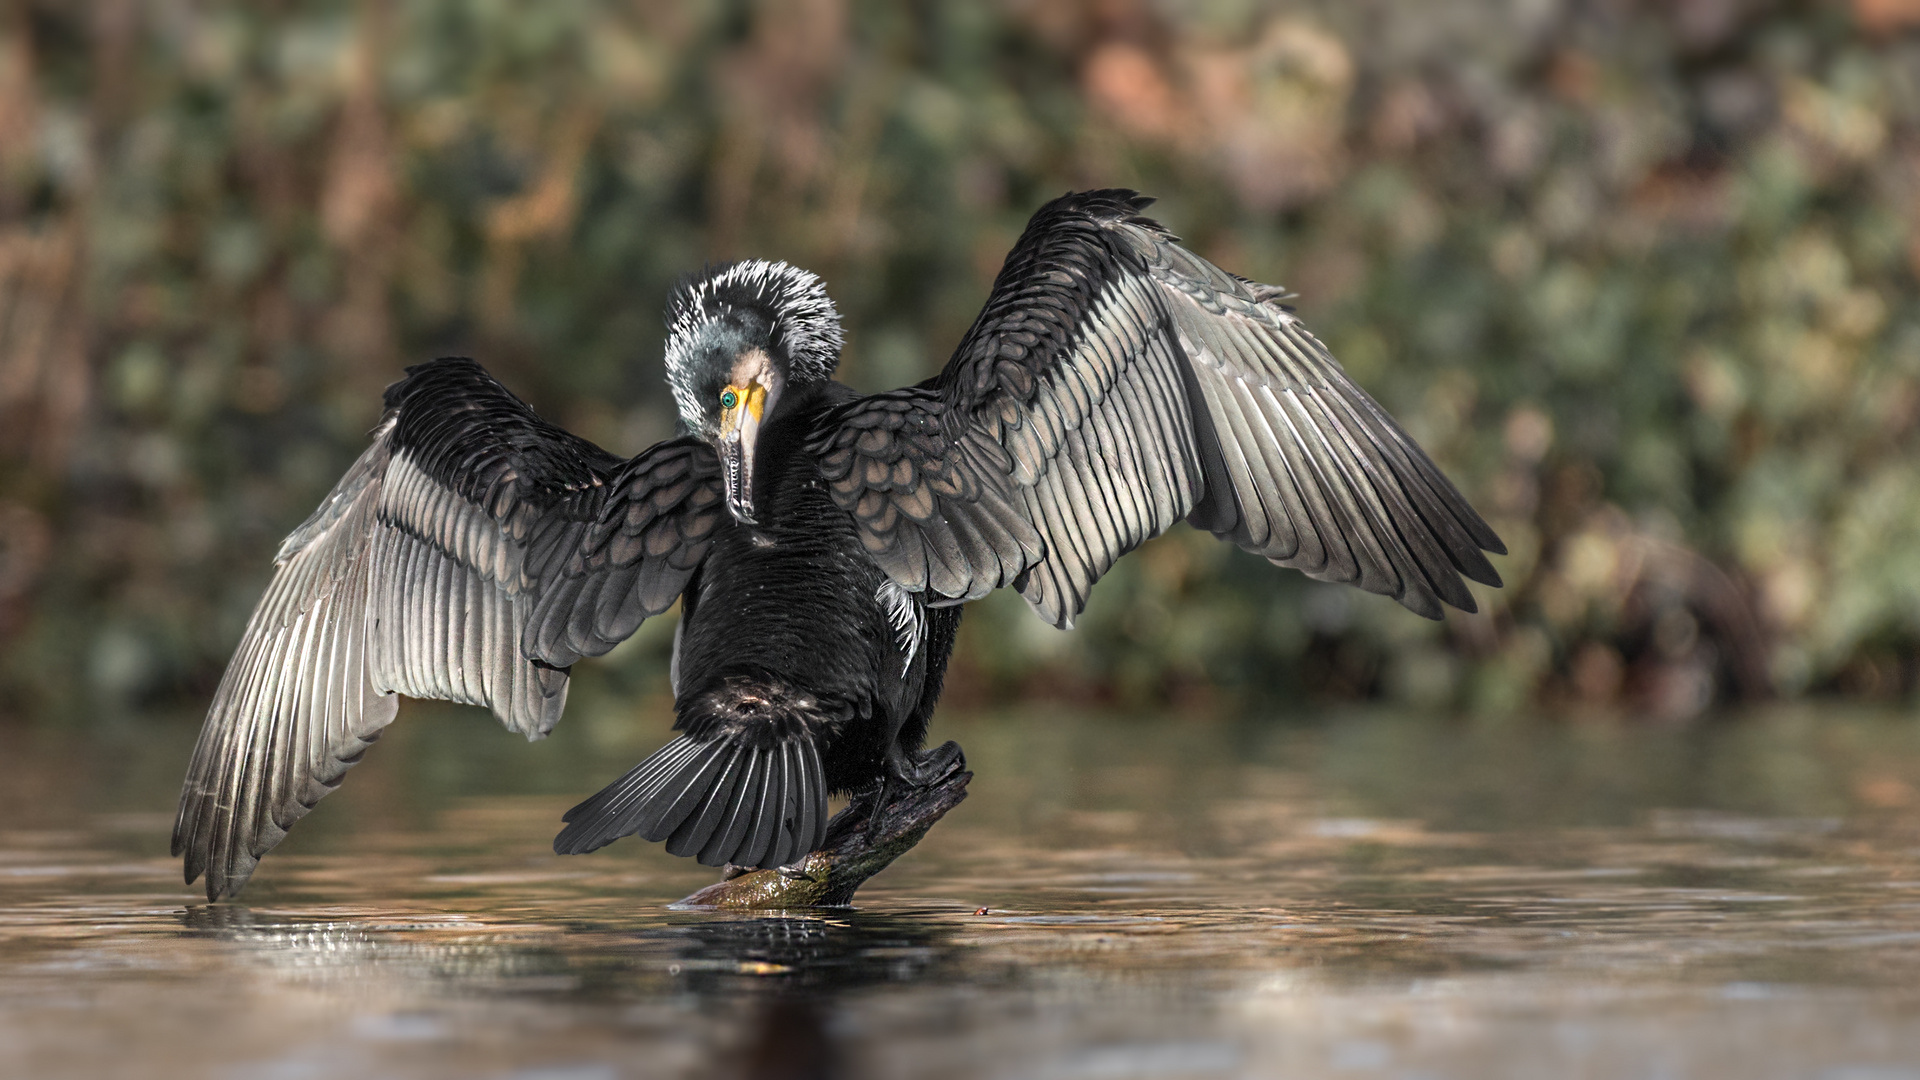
(725, 800)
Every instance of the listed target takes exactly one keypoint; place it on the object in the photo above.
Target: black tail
(721, 800)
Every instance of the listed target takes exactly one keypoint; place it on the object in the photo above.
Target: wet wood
(862, 840)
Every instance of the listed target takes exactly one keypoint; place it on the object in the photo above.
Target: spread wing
(1116, 383)
(471, 554)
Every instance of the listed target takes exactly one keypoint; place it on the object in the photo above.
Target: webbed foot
(929, 767)
(909, 771)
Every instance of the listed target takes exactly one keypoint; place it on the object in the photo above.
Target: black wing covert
(471, 554)
(1116, 383)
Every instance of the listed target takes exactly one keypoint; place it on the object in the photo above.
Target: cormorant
(820, 542)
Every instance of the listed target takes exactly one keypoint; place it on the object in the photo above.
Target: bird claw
(793, 873)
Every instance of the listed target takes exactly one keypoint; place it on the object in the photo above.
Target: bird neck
(786, 431)
(796, 416)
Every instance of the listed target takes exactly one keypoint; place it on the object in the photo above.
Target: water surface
(1361, 895)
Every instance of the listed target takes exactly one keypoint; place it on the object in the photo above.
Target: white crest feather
(805, 324)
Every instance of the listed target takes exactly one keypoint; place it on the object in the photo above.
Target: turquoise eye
(729, 399)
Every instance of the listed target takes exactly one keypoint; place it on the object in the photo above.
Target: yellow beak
(739, 427)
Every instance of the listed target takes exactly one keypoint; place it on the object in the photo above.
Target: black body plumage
(791, 679)
(820, 542)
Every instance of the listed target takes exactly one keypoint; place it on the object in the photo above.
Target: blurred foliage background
(1639, 273)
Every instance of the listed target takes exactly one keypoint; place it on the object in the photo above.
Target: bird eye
(729, 399)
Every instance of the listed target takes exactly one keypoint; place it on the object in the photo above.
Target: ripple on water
(1365, 897)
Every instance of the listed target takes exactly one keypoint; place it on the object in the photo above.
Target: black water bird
(820, 542)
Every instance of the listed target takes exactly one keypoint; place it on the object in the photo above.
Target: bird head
(739, 338)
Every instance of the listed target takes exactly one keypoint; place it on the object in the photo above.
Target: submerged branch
(861, 842)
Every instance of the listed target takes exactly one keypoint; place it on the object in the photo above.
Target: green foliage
(1641, 278)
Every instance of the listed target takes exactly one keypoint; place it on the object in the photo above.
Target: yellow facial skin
(747, 401)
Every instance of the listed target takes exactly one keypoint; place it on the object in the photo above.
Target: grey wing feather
(1324, 480)
(447, 609)
(1114, 384)
(298, 704)
(438, 567)
(368, 600)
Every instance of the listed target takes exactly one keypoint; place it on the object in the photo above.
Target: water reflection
(766, 986)
(790, 974)
(1162, 897)
(722, 955)
(787, 955)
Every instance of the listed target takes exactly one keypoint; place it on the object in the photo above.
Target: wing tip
(1487, 575)
(1108, 206)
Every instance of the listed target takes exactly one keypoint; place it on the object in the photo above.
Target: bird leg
(870, 803)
